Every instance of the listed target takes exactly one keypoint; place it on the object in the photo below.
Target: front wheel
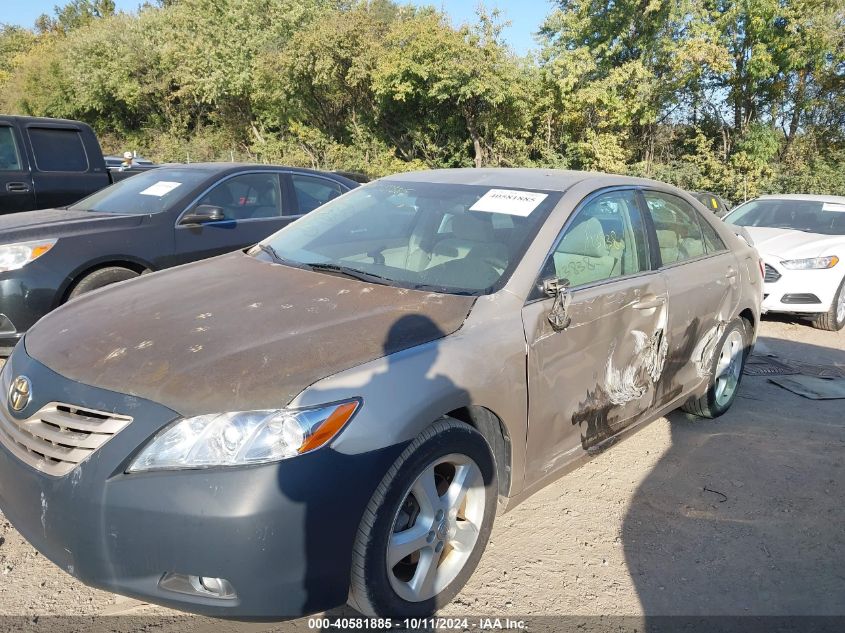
(725, 371)
(834, 319)
(427, 524)
(101, 278)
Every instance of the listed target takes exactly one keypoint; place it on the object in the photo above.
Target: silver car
(338, 413)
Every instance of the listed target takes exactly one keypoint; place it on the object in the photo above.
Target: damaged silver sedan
(338, 413)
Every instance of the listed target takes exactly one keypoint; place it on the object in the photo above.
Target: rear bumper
(281, 534)
(800, 291)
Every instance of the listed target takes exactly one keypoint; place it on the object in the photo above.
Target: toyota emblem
(20, 393)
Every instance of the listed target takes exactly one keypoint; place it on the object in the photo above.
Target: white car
(801, 239)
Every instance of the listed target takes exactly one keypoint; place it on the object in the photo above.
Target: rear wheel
(834, 319)
(426, 525)
(726, 371)
(100, 278)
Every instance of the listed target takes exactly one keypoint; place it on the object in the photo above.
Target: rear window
(57, 149)
(149, 192)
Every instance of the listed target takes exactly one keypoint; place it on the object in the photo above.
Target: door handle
(17, 187)
(731, 274)
(649, 303)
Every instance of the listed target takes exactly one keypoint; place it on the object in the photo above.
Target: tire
(448, 446)
(834, 319)
(100, 278)
(715, 401)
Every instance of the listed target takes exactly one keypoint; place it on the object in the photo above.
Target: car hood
(31, 225)
(234, 333)
(792, 244)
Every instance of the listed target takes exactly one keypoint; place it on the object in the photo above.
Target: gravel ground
(739, 515)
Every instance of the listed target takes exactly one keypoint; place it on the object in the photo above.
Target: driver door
(252, 210)
(597, 374)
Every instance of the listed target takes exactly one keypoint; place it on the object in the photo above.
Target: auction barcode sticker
(509, 201)
(161, 188)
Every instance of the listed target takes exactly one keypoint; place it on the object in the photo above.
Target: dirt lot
(740, 515)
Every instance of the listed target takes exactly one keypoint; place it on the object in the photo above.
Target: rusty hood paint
(234, 333)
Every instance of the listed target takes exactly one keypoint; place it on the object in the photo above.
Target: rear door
(63, 170)
(597, 375)
(16, 192)
(252, 206)
(703, 283)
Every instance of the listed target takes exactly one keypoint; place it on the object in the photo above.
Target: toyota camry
(339, 412)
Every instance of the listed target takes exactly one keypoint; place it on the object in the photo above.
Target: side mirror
(203, 214)
(556, 288)
(553, 286)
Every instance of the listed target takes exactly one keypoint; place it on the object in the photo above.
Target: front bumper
(281, 534)
(26, 295)
(800, 291)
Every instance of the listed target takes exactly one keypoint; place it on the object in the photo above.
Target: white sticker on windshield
(520, 203)
(832, 206)
(161, 188)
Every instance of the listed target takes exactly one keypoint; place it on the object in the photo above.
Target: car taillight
(762, 267)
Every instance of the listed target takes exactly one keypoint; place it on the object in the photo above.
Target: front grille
(59, 436)
(771, 275)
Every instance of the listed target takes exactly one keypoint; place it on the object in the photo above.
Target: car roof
(222, 168)
(522, 178)
(39, 120)
(804, 196)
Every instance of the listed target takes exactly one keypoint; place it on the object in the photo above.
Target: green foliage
(733, 96)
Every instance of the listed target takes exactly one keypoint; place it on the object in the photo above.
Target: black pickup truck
(48, 163)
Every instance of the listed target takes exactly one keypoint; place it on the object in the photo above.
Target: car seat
(266, 206)
(472, 237)
(691, 247)
(583, 256)
(669, 250)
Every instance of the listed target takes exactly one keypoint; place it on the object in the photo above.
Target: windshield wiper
(443, 290)
(349, 272)
(272, 252)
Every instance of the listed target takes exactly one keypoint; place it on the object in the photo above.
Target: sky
(525, 16)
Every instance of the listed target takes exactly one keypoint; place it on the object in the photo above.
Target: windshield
(800, 215)
(446, 238)
(149, 192)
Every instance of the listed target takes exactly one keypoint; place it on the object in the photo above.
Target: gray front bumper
(281, 534)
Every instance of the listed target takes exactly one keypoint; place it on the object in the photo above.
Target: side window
(676, 223)
(58, 149)
(605, 240)
(712, 242)
(9, 156)
(247, 197)
(312, 192)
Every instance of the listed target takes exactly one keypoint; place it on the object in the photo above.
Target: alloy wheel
(729, 367)
(436, 528)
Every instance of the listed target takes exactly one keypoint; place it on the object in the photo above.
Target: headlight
(244, 437)
(812, 263)
(14, 256)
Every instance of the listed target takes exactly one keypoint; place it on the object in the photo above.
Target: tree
(76, 14)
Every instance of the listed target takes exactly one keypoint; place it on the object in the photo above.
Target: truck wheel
(100, 278)
(725, 372)
(426, 525)
(834, 319)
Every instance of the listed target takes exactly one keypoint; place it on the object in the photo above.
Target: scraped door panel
(703, 283)
(589, 381)
(702, 296)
